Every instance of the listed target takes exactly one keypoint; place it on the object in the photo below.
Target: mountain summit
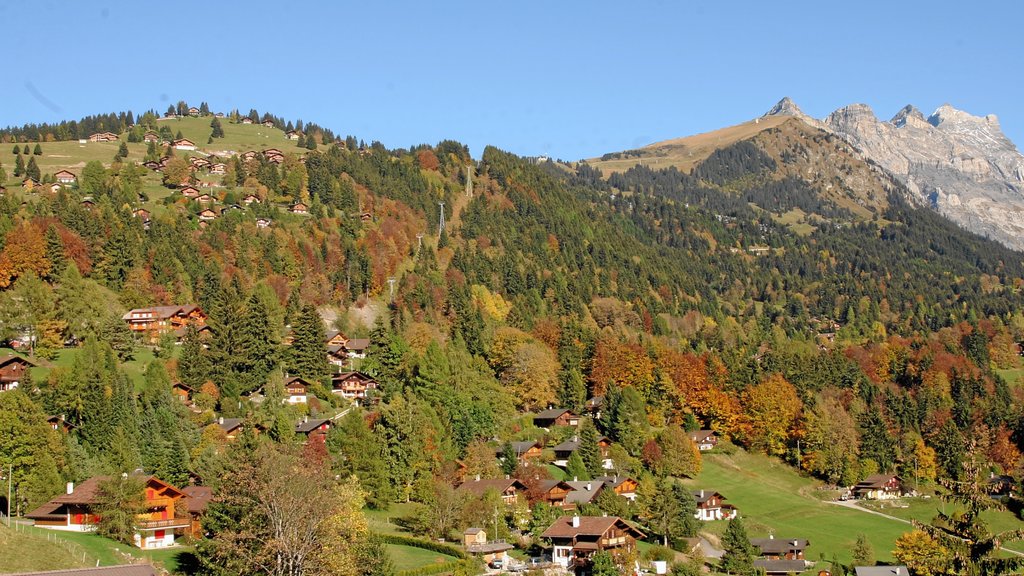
(962, 165)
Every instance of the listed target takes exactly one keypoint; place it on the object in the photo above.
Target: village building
(29, 183)
(231, 427)
(13, 369)
(879, 487)
(151, 136)
(262, 223)
(622, 485)
(704, 440)
(524, 451)
(183, 144)
(352, 385)
(881, 571)
(564, 450)
(197, 499)
(772, 548)
(248, 156)
(218, 168)
(193, 111)
(554, 493)
(158, 320)
(710, 506)
(292, 134)
(205, 199)
(250, 199)
(268, 123)
(493, 554)
(583, 492)
(75, 511)
(299, 208)
(508, 488)
(773, 567)
(189, 191)
(555, 417)
(207, 215)
(296, 390)
(576, 538)
(60, 423)
(246, 120)
(103, 137)
(65, 177)
(314, 429)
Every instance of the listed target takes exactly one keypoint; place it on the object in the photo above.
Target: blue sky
(565, 79)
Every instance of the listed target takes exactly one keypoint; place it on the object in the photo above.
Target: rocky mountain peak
(908, 114)
(786, 107)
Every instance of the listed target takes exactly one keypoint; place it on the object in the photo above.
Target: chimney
(588, 487)
(575, 478)
(575, 521)
(771, 536)
(477, 477)
(506, 476)
(71, 487)
(702, 493)
(220, 420)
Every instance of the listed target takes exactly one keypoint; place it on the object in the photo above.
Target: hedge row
(439, 547)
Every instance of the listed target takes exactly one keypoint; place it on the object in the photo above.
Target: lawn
(383, 521)
(65, 357)
(97, 548)
(24, 552)
(410, 558)
(1014, 376)
(773, 498)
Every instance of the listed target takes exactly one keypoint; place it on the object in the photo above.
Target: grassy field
(772, 498)
(23, 552)
(410, 558)
(383, 521)
(91, 547)
(1013, 377)
(134, 368)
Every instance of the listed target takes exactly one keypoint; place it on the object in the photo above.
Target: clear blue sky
(565, 79)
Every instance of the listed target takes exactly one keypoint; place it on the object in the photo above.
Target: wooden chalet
(161, 319)
(75, 511)
(554, 493)
(622, 485)
(55, 187)
(189, 191)
(583, 492)
(183, 144)
(205, 199)
(197, 499)
(207, 215)
(231, 427)
(262, 223)
(103, 137)
(249, 156)
(508, 488)
(153, 165)
(314, 429)
(524, 451)
(60, 423)
(268, 123)
(193, 111)
(182, 391)
(292, 134)
(352, 385)
(150, 136)
(492, 553)
(564, 450)
(881, 571)
(879, 487)
(141, 213)
(65, 177)
(29, 183)
(773, 567)
(246, 120)
(299, 208)
(296, 390)
(704, 439)
(218, 168)
(250, 199)
(711, 506)
(772, 548)
(198, 162)
(555, 417)
(12, 371)
(576, 538)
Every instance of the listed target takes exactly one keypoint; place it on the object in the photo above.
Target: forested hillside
(875, 336)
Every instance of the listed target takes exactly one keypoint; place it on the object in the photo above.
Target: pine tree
(218, 130)
(863, 552)
(193, 362)
(739, 553)
(257, 345)
(308, 357)
(589, 451)
(32, 170)
(575, 468)
(509, 461)
(122, 150)
(55, 253)
(37, 151)
(19, 166)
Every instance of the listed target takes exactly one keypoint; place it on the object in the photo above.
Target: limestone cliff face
(960, 164)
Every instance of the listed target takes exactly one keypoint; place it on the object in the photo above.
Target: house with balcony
(158, 320)
(75, 511)
(509, 488)
(575, 539)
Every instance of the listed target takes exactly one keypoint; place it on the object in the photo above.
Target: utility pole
(440, 223)
(469, 181)
(10, 478)
(391, 287)
(419, 238)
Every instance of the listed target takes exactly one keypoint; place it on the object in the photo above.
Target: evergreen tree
(509, 460)
(55, 253)
(863, 552)
(257, 345)
(37, 151)
(575, 469)
(739, 553)
(122, 151)
(218, 130)
(193, 363)
(572, 393)
(32, 170)
(120, 500)
(310, 142)
(308, 357)
(684, 523)
(589, 450)
(19, 166)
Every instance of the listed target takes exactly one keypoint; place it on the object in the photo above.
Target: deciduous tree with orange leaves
(773, 409)
(24, 251)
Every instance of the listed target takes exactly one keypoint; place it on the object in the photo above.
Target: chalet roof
(60, 173)
(15, 359)
(478, 487)
(551, 413)
(229, 424)
(356, 375)
(197, 498)
(88, 491)
(296, 379)
(701, 435)
(588, 526)
(702, 496)
(548, 485)
(876, 481)
(124, 570)
(614, 481)
(519, 448)
(780, 566)
(583, 491)
(357, 344)
(489, 547)
(55, 419)
(881, 571)
(595, 402)
(307, 426)
(778, 545)
(473, 531)
(183, 142)
(162, 312)
(573, 444)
